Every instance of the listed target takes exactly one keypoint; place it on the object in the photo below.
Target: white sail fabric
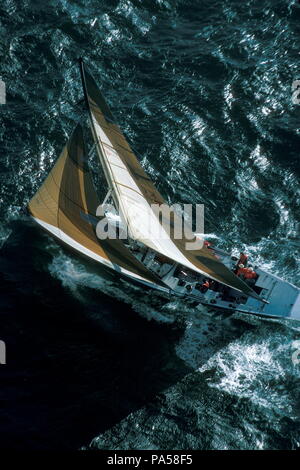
(134, 193)
(143, 224)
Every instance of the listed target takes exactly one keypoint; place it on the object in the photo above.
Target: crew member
(241, 270)
(250, 273)
(243, 259)
(205, 286)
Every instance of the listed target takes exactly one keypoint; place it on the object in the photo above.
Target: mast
(134, 195)
(97, 143)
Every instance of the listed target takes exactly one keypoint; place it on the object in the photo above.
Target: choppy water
(203, 91)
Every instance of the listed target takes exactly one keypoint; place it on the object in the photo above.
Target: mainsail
(66, 205)
(134, 193)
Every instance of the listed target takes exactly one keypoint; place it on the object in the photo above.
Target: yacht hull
(283, 298)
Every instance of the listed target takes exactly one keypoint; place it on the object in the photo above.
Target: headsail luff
(134, 192)
(67, 201)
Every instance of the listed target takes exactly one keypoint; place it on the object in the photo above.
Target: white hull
(283, 298)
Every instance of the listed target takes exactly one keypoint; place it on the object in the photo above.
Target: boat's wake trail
(258, 366)
(246, 382)
(76, 277)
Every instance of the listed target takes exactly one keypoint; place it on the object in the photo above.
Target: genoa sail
(66, 205)
(134, 193)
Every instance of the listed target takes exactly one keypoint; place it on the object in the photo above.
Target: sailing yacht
(68, 207)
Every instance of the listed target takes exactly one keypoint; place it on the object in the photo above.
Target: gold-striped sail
(66, 205)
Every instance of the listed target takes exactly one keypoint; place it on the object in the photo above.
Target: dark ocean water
(203, 91)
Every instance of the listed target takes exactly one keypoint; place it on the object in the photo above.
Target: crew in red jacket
(250, 273)
(243, 259)
(205, 286)
(241, 270)
(246, 273)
